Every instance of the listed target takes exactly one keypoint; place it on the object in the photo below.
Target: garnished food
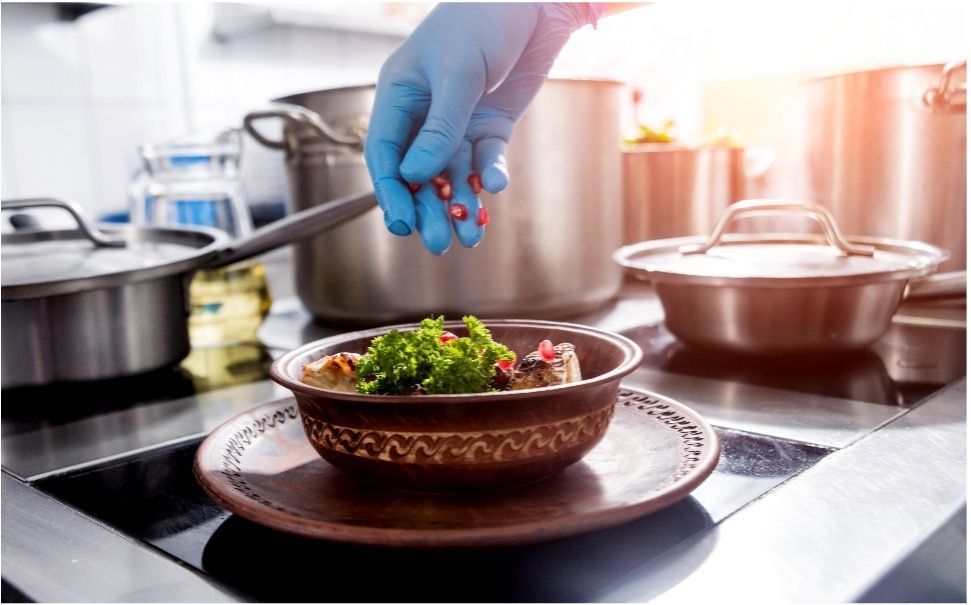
(335, 372)
(432, 360)
(547, 366)
(418, 362)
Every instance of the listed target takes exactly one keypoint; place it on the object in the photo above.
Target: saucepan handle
(947, 96)
(780, 207)
(97, 237)
(300, 117)
(295, 227)
(940, 285)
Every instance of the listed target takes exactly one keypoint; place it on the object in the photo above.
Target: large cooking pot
(547, 250)
(672, 190)
(770, 293)
(90, 303)
(888, 153)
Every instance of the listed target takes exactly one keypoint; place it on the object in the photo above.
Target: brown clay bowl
(443, 443)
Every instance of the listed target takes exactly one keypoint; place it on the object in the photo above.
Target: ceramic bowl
(443, 443)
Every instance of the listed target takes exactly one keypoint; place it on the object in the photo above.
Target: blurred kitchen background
(83, 85)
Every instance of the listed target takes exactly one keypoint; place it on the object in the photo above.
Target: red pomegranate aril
(546, 351)
(506, 364)
(444, 192)
(483, 219)
(414, 187)
(475, 182)
(439, 181)
(447, 337)
(458, 212)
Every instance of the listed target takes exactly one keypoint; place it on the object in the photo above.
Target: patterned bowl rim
(282, 367)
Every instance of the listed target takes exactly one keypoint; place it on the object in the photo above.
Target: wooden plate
(260, 466)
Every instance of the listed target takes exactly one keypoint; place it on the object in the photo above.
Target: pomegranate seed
(440, 181)
(505, 364)
(458, 212)
(475, 182)
(483, 219)
(546, 351)
(447, 337)
(445, 192)
(414, 187)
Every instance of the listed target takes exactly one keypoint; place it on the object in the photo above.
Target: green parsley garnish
(400, 363)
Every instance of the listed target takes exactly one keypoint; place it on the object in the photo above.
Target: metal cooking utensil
(91, 303)
(779, 293)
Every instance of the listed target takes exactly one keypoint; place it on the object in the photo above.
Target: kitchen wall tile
(258, 69)
(207, 81)
(8, 174)
(49, 151)
(119, 131)
(361, 55)
(132, 54)
(315, 60)
(40, 60)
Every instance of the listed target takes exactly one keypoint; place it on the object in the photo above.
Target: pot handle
(790, 207)
(299, 116)
(947, 97)
(940, 285)
(97, 237)
(295, 227)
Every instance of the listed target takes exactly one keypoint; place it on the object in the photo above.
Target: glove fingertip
(494, 179)
(396, 202)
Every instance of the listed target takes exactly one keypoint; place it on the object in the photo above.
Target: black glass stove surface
(154, 498)
(905, 366)
(28, 408)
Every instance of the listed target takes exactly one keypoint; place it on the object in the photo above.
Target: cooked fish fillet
(533, 372)
(336, 372)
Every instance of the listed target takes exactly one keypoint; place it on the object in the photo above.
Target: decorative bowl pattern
(464, 442)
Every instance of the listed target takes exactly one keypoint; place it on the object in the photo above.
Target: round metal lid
(46, 263)
(777, 260)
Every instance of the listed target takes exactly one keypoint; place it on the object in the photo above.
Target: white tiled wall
(79, 97)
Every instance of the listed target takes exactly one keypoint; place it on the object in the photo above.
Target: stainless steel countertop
(830, 534)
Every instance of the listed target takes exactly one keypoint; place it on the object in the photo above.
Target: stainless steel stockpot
(546, 253)
(89, 303)
(779, 293)
(888, 153)
(670, 191)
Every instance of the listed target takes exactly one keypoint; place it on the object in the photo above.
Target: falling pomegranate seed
(546, 351)
(447, 337)
(505, 364)
(475, 182)
(414, 187)
(458, 212)
(483, 219)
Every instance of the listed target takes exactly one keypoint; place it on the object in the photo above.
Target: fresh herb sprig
(401, 363)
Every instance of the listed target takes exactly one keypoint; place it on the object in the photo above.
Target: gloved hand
(447, 100)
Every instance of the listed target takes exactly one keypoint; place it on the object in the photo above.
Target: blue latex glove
(447, 100)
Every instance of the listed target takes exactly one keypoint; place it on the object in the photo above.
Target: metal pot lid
(778, 260)
(48, 263)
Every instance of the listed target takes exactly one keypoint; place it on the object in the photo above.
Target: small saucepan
(771, 293)
(90, 303)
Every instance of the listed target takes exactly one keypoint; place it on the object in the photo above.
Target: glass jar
(195, 180)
